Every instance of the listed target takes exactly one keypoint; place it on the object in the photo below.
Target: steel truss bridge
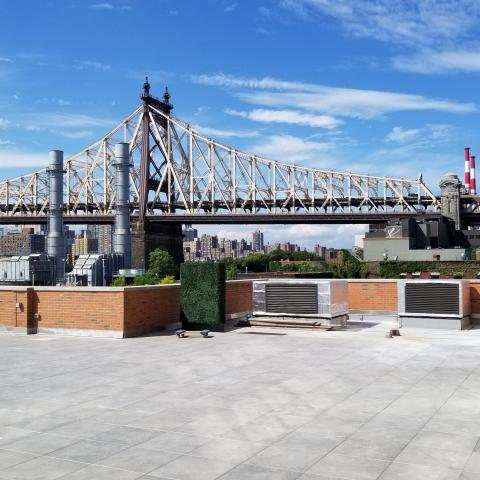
(180, 175)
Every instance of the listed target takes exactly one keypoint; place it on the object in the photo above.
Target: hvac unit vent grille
(290, 298)
(439, 298)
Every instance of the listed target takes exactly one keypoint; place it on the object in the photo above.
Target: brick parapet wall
(372, 296)
(134, 310)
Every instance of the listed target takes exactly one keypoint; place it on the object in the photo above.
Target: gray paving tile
(96, 472)
(186, 467)
(40, 443)
(174, 442)
(473, 463)
(255, 472)
(125, 435)
(445, 441)
(87, 451)
(298, 458)
(433, 457)
(40, 468)
(352, 468)
(377, 449)
(138, 459)
(9, 458)
(235, 451)
(407, 471)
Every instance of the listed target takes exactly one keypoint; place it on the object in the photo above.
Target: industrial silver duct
(56, 235)
(122, 243)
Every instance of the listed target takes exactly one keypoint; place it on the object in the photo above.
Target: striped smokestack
(467, 169)
(473, 183)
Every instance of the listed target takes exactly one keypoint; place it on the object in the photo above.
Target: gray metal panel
(332, 297)
(438, 298)
(296, 299)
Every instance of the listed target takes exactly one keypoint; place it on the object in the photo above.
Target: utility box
(434, 304)
(322, 299)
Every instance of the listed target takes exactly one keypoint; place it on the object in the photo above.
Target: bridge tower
(450, 186)
(147, 236)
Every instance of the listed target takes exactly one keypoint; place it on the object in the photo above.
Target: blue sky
(385, 87)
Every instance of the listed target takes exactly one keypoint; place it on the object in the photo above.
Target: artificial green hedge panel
(203, 295)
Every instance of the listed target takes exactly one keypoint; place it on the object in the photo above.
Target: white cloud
(58, 101)
(4, 123)
(5, 142)
(311, 97)
(64, 120)
(74, 135)
(231, 7)
(290, 149)
(264, 11)
(18, 159)
(287, 116)
(102, 6)
(409, 22)
(109, 6)
(91, 65)
(425, 137)
(433, 62)
(6, 60)
(398, 134)
(216, 132)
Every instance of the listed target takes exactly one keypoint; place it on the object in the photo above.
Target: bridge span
(179, 175)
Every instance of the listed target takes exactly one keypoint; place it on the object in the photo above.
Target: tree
(161, 264)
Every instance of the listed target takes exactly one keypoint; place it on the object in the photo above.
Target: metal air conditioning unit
(322, 299)
(434, 304)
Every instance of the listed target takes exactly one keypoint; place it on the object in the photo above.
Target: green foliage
(350, 267)
(161, 264)
(203, 294)
(256, 262)
(119, 282)
(139, 280)
(261, 262)
(168, 280)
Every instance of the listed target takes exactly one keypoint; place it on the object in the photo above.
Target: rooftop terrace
(249, 404)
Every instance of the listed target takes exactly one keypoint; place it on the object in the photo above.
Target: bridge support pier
(148, 236)
(450, 187)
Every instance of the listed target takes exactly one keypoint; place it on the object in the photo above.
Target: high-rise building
(319, 250)
(25, 242)
(257, 244)
(189, 233)
(83, 245)
(104, 235)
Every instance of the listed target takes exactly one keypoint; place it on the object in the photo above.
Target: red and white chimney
(467, 169)
(473, 183)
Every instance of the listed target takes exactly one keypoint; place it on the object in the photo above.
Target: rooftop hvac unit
(323, 299)
(434, 304)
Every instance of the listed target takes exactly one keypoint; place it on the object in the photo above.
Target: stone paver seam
(425, 423)
(85, 463)
(297, 428)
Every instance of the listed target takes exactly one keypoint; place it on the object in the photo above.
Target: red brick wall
(150, 308)
(372, 296)
(8, 311)
(238, 296)
(82, 308)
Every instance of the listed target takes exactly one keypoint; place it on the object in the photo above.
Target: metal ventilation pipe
(122, 243)
(56, 235)
(467, 169)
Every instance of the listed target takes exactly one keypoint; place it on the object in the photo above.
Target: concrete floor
(252, 404)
